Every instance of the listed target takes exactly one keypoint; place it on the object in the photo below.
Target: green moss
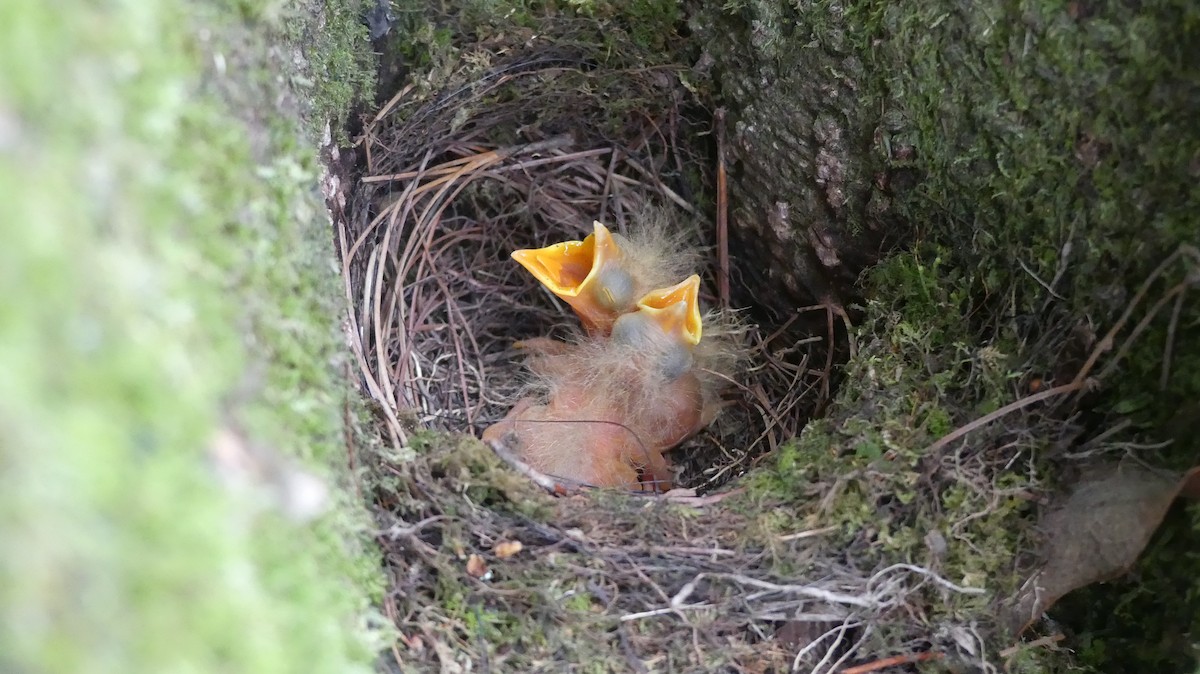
(1058, 146)
(167, 273)
(1042, 125)
(426, 41)
(342, 63)
(866, 466)
(650, 24)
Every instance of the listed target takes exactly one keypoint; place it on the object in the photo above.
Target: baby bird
(606, 409)
(604, 275)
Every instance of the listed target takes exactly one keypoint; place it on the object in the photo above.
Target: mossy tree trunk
(855, 125)
(1043, 157)
(812, 168)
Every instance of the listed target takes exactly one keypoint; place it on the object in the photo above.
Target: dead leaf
(1191, 485)
(1097, 533)
(476, 567)
(506, 549)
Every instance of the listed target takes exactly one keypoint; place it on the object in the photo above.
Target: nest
(529, 154)
(520, 154)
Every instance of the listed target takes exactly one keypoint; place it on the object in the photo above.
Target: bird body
(603, 410)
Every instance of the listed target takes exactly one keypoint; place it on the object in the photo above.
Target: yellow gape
(587, 275)
(608, 406)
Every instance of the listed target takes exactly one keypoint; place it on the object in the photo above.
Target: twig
(807, 534)
(662, 611)
(608, 183)
(928, 574)
(894, 661)
(1007, 409)
(849, 652)
(539, 478)
(661, 187)
(802, 590)
(1036, 643)
(722, 212)
(701, 501)
(840, 631)
(396, 531)
(825, 383)
(1170, 345)
(1141, 326)
(389, 105)
(1038, 279)
(1106, 343)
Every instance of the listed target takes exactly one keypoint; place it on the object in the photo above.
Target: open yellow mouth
(676, 309)
(585, 274)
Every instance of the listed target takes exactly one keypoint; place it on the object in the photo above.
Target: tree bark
(812, 178)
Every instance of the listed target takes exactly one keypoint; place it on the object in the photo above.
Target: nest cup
(530, 153)
(523, 153)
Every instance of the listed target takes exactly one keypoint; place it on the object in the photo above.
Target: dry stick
(673, 144)
(841, 311)
(662, 188)
(828, 596)
(443, 183)
(453, 314)
(1170, 345)
(1107, 343)
(1138, 329)
(449, 242)
(397, 310)
(436, 217)
(395, 431)
(445, 168)
(722, 212)
(381, 344)
(846, 654)
(406, 259)
(368, 134)
(825, 384)
(777, 413)
(389, 606)
(608, 181)
(389, 105)
(645, 142)
(792, 401)
(532, 163)
(795, 315)
(539, 478)
(502, 153)
(1007, 409)
(368, 140)
(373, 278)
(1036, 643)
(408, 317)
(453, 165)
(764, 404)
(398, 212)
(894, 661)
(389, 213)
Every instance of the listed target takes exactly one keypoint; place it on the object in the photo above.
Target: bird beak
(585, 274)
(676, 309)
